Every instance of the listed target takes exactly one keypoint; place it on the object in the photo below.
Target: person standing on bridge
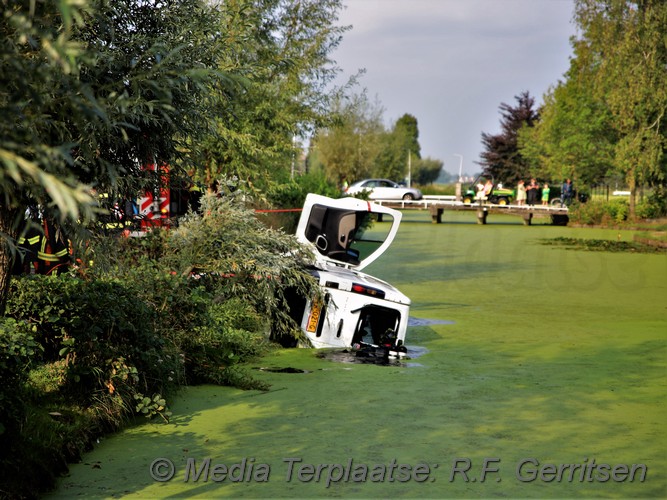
(521, 193)
(545, 194)
(531, 191)
(567, 192)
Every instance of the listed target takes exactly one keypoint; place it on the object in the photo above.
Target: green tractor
(491, 192)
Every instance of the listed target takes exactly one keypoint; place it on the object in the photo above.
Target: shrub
(654, 205)
(136, 319)
(18, 353)
(240, 258)
(292, 195)
(102, 332)
(596, 212)
(617, 210)
(587, 213)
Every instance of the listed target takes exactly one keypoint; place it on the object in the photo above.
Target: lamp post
(458, 184)
(460, 165)
(291, 176)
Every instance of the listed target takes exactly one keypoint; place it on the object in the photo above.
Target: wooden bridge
(438, 204)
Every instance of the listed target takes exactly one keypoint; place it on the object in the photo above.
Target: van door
(347, 231)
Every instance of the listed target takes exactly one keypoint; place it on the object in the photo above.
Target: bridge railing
(450, 200)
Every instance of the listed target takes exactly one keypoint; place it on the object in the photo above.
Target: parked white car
(384, 189)
(358, 310)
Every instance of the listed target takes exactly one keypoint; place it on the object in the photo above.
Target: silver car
(383, 189)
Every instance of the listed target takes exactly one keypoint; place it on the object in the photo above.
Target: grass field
(533, 354)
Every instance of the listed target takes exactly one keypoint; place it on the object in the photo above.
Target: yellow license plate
(314, 317)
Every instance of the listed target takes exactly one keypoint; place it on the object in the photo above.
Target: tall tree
(282, 49)
(573, 137)
(501, 158)
(626, 41)
(408, 124)
(349, 147)
(400, 147)
(154, 68)
(94, 89)
(607, 119)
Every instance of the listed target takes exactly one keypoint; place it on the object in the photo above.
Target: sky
(451, 63)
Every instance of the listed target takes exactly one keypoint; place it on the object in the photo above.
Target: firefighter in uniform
(43, 252)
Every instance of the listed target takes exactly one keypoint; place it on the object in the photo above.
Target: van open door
(347, 232)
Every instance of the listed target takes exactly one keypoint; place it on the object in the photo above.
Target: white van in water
(358, 311)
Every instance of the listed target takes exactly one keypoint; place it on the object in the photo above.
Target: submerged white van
(358, 311)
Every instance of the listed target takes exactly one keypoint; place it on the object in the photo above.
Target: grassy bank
(533, 352)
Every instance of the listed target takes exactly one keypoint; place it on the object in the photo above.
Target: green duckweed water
(538, 352)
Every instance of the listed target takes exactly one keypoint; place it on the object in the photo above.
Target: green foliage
(106, 336)
(573, 137)
(628, 38)
(356, 144)
(39, 451)
(96, 89)
(291, 195)
(607, 118)
(285, 90)
(150, 407)
(590, 213)
(117, 341)
(439, 189)
(596, 212)
(18, 349)
(206, 332)
(43, 106)
(318, 183)
(392, 161)
(239, 257)
(408, 124)
(92, 91)
(619, 210)
(348, 148)
(654, 205)
(400, 147)
(18, 353)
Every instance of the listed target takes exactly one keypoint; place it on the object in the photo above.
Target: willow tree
(41, 103)
(90, 91)
(282, 51)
